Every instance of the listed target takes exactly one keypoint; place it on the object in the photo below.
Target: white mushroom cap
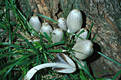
(74, 21)
(62, 58)
(82, 35)
(83, 49)
(46, 28)
(62, 24)
(67, 67)
(57, 35)
(36, 24)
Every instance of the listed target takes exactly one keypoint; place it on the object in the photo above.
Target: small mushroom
(62, 58)
(46, 28)
(62, 24)
(83, 49)
(67, 67)
(57, 35)
(82, 34)
(74, 21)
(36, 24)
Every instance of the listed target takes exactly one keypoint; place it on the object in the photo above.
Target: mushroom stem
(33, 70)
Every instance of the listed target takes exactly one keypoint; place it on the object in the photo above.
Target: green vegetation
(18, 54)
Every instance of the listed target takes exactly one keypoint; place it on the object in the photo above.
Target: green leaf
(90, 31)
(109, 58)
(86, 71)
(82, 76)
(55, 51)
(94, 38)
(116, 75)
(48, 18)
(80, 33)
(103, 79)
(47, 37)
(13, 63)
(55, 44)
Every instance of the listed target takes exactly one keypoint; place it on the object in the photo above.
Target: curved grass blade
(55, 44)
(55, 51)
(116, 75)
(109, 58)
(86, 71)
(90, 30)
(48, 18)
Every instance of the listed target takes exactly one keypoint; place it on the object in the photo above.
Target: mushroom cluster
(82, 48)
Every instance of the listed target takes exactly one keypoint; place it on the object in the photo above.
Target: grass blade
(116, 75)
(88, 73)
(48, 18)
(90, 31)
(109, 58)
